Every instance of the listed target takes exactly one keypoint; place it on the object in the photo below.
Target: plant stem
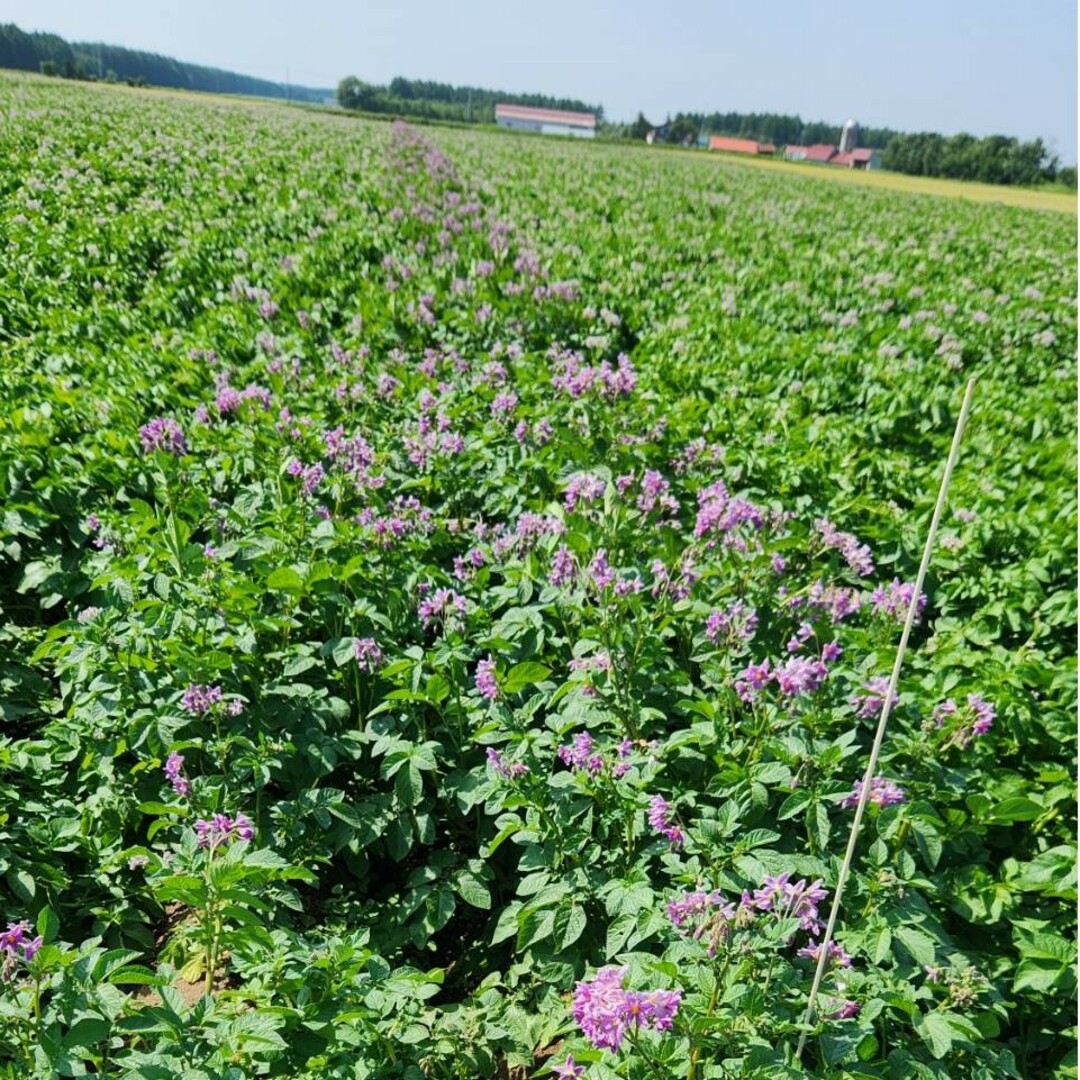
(648, 1059)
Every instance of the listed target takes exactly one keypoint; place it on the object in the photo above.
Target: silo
(849, 137)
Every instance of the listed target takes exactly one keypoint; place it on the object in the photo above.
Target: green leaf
(86, 1033)
(570, 923)
(22, 885)
(473, 890)
(1017, 808)
(522, 675)
(793, 804)
(112, 961)
(409, 785)
(941, 1030)
(48, 924)
(285, 579)
(298, 665)
(836, 1048)
(618, 931)
(919, 946)
(879, 944)
(1038, 975)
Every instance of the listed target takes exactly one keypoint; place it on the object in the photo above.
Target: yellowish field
(1028, 198)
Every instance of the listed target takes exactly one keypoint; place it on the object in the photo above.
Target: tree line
(443, 101)
(53, 55)
(781, 129)
(994, 159)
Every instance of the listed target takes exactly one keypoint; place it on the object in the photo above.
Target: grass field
(448, 584)
(1027, 198)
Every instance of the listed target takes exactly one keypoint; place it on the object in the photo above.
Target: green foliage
(995, 159)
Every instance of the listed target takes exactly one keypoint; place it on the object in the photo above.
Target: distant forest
(441, 101)
(53, 55)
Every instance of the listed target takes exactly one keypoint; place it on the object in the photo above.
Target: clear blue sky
(983, 66)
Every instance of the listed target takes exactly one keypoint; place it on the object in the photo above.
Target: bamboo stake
(879, 735)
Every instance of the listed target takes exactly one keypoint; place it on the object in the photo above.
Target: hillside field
(448, 585)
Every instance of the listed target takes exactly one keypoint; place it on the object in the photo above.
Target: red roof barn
(740, 146)
(859, 158)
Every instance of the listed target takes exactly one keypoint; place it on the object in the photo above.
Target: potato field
(448, 585)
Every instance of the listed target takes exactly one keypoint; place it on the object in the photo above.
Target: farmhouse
(822, 154)
(740, 146)
(819, 153)
(546, 121)
(859, 158)
(847, 154)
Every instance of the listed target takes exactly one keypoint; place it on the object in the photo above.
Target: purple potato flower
(882, 793)
(606, 1012)
(163, 433)
(174, 766)
(659, 816)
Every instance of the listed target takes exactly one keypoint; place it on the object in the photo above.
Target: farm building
(859, 158)
(819, 153)
(822, 154)
(740, 146)
(546, 121)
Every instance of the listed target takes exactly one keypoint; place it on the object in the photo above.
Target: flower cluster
(581, 755)
(870, 701)
(659, 816)
(975, 720)
(596, 663)
(367, 653)
(734, 625)
(837, 954)
(174, 766)
(508, 770)
(792, 900)
(894, 599)
(16, 945)
(575, 378)
(800, 675)
(882, 793)
(606, 1011)
(856, 555)
(836, 601)
(797, 675)
(442, 605)
(221, 830)
(163, 433)
(486, 684)
(563, 567)
(701, 914)
(199, 700)
(719, 512)
(582, 488)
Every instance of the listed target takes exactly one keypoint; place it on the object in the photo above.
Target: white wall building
(546, 121)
